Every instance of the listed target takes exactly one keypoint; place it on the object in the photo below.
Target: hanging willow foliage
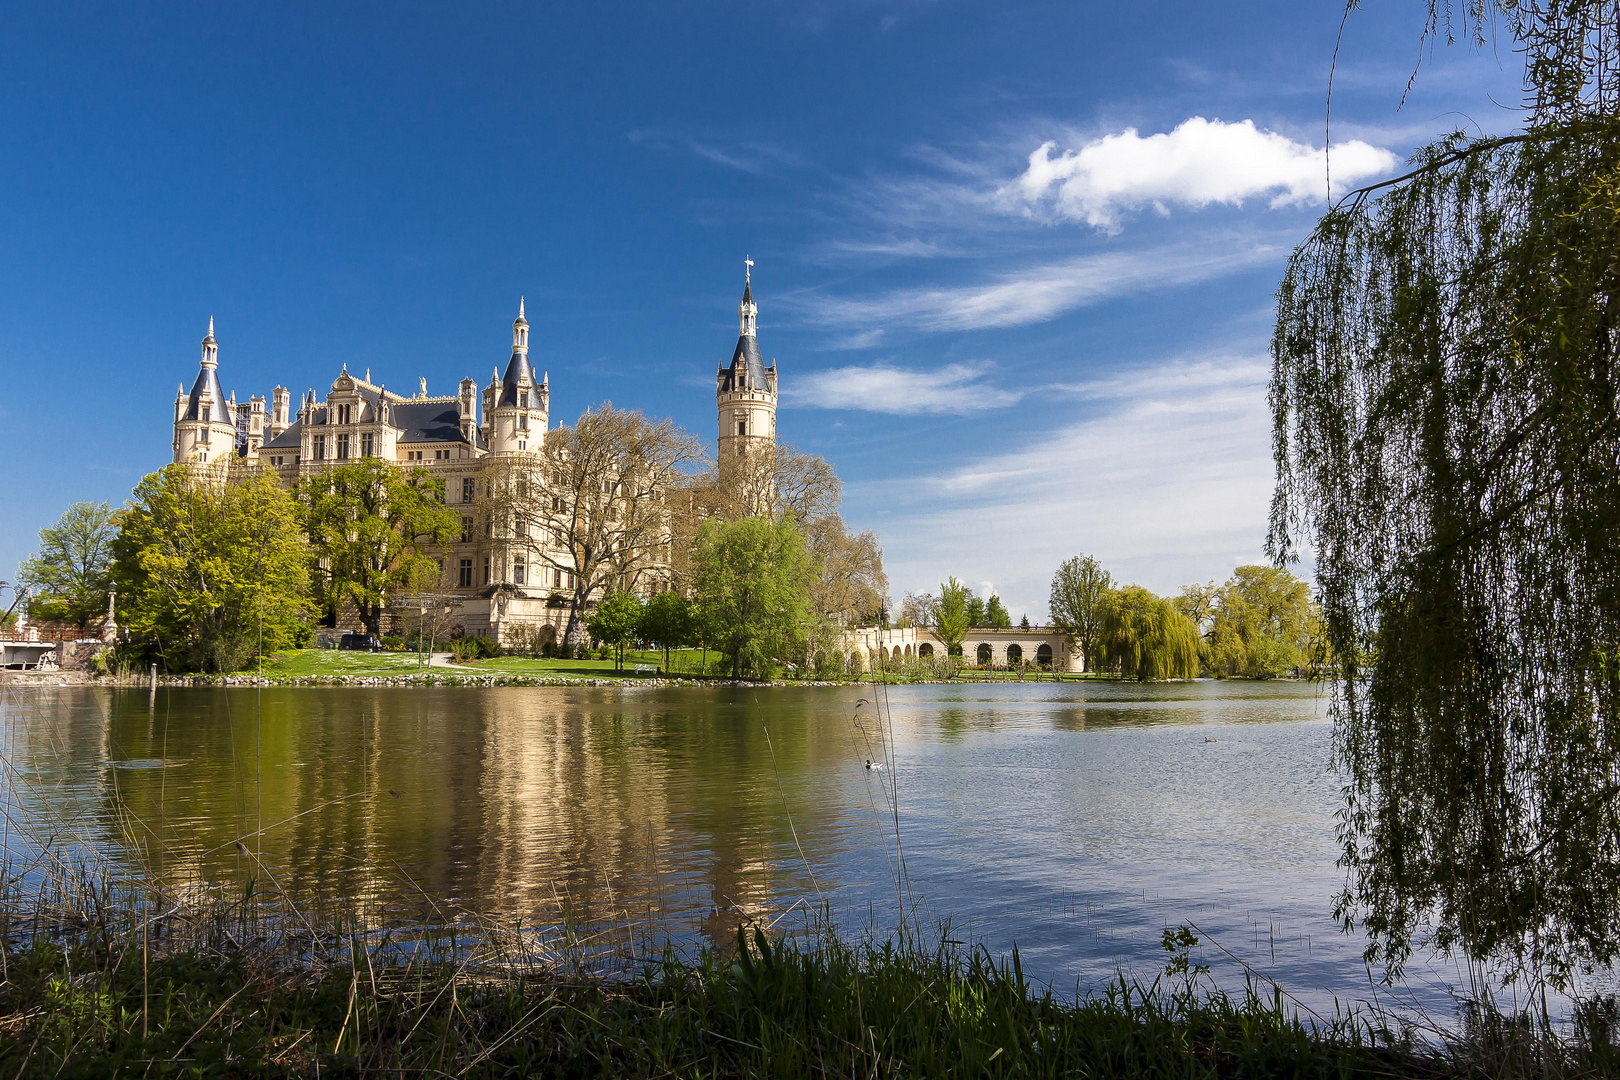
(1446, 406)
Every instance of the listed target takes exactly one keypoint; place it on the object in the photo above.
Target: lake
(1077, 821)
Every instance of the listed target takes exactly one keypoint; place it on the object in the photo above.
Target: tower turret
(205, 423)
(517, 404)
(745, 399)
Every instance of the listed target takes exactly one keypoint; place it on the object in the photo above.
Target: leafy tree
(376, 532)
(209, 571)
(1079, 603)
(995, 613)
(975, 610)
(669, 622)
(595, 504)
(616, 621)
(752, 582)
(850, 587)
(1145, 637)
(950, 616)
(1447, 439)
(71, 574)
(1259, 623)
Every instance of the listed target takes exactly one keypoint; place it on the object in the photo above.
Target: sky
(1015, 262)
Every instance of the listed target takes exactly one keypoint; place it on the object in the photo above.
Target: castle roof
(218, 411)
(516, 368)
(745, 358)
(418, 420)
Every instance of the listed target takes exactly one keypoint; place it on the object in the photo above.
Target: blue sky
(1015, 261)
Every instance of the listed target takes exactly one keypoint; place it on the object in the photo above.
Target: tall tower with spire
(745, 399)
(204, 420)
(517, 406)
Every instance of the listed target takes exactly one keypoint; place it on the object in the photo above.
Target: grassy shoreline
(150, 989)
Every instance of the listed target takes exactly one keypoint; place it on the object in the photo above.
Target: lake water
(1077, 821)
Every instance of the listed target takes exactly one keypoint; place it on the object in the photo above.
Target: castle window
(523, 423)
(742, 427)
(202, 435)
(466, 530)
(486, 569)
(366, 444)
(344, 413)
(468, 486)
(523, 446)
(319, 447)
(519, 571)
(343, 447)
(556, 579)
(523, 401)
(465, 580)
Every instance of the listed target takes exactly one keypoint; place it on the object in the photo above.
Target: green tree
(376, 531)
(1144, 636)
(1447, 439)
(995, 613)
(210, 571)
(752, 582)
(616, 621)
(670, 623)
(71, 574)
(950, 615)
(1260, 623)
(1079, 602)
(975, 610)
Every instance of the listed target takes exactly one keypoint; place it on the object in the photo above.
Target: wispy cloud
(1041, 293)
(755, 157)
(1167, 481)
(1198, 163)
(955, 388)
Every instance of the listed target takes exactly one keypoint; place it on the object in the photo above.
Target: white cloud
(955, 388)
(1200, 162)
(1167, 482)
(1043, 292)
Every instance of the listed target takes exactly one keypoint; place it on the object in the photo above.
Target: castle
(497, 593)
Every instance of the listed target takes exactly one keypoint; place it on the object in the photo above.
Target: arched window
(1015, 654)
(925, 649)
(1043, 655)
(984, 652)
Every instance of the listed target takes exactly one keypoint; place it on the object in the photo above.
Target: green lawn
(682, 662)
(299, 662)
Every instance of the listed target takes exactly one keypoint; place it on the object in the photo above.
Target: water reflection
(1076, 821)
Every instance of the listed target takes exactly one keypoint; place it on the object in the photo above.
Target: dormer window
(343, 413)
(523, 401)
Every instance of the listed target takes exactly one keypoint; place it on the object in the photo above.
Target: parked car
(359, 643)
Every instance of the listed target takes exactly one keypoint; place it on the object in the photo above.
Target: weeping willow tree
(1146, 637)
(1446, 409)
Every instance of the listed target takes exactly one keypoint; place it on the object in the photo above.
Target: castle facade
(450, 437)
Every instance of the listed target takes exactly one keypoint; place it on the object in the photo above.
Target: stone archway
(985, 654)
(1015, 654)
(1043, 655)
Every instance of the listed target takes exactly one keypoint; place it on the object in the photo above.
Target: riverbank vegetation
(101, 982)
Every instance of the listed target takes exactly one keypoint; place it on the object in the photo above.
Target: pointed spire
(520, 332)
(210, 347)
(747, 310)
